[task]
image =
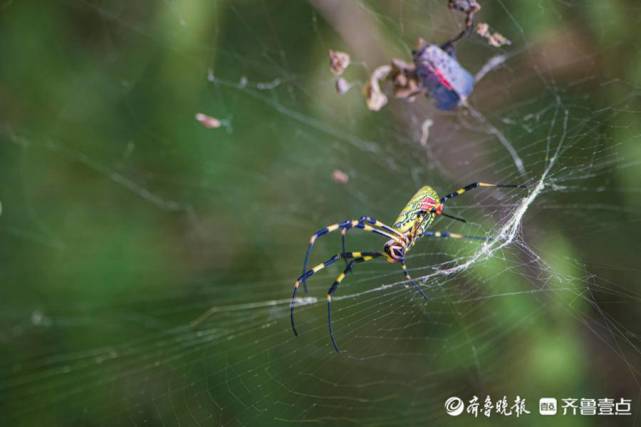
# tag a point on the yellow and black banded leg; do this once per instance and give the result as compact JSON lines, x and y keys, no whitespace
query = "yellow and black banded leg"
{"x":448,"y":235}
{"x":364,"y":223}
{"x":367,"y":256}
{"x":309,"y":273}
{"x":412,"y":282}
{"x":373,"y":222}
{"x":376,"y":223}
{"x":474,"y":185}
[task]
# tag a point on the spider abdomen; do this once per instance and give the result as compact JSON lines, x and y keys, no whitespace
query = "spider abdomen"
{"x":410,"y":213}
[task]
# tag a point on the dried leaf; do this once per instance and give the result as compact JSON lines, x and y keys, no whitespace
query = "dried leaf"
{"x":465,"y":6}
{"x":494,"y":39}
{"x":340,"y":177}
{"x":425,"y":131}
{"x":208,"y":121}
{"x":374,"y":96}
{"x":342,"y":86}
{"x":468,"y":7}
{"x":338,"y":62}
{"x":404,"y":78}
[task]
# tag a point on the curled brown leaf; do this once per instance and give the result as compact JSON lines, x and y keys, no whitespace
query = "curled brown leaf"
{"x":404,"y":79}
{"x":495,"y":39}
{"x":208,"y":121}
{"x":340,"y":177}
{"x":374,"y":96}
{"x":338,"y":62}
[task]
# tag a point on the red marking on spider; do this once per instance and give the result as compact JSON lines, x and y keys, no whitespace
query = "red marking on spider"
{"x":427,"y":204}
{"x":442,"y":80}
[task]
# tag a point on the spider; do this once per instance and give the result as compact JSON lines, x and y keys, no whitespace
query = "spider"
{"x":412,"y":224}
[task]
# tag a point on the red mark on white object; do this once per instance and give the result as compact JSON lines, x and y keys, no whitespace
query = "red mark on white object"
{"x":208,"y":121}
{"x":340,"y":177}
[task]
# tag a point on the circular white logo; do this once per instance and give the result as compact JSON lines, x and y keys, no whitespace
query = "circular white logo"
{"x":454,"y":406}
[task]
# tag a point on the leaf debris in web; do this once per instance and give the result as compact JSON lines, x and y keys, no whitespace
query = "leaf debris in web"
{"x":495,"y":39}
{"x":342,"y":86}
{"x":425,"y":131}
{"x":468,"y":7}
{"x":465,"y":6}
{"x":208,"y":121}
{"x":374,"y":96}
{"x":340,"y":177}
{"x":404,"y":80}
{"x":338,"y":62}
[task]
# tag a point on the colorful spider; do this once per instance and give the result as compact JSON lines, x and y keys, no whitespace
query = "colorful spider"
{"x":412,"y":224}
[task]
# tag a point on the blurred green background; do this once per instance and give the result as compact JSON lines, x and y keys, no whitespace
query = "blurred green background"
{"x":147,"y":261}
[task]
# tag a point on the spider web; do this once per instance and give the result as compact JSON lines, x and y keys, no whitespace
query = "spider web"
{"x":149,"y":260}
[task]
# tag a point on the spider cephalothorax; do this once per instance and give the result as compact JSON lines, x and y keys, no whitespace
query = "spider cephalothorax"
{"x":395,"y":251}
{"x":412,"y":224}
